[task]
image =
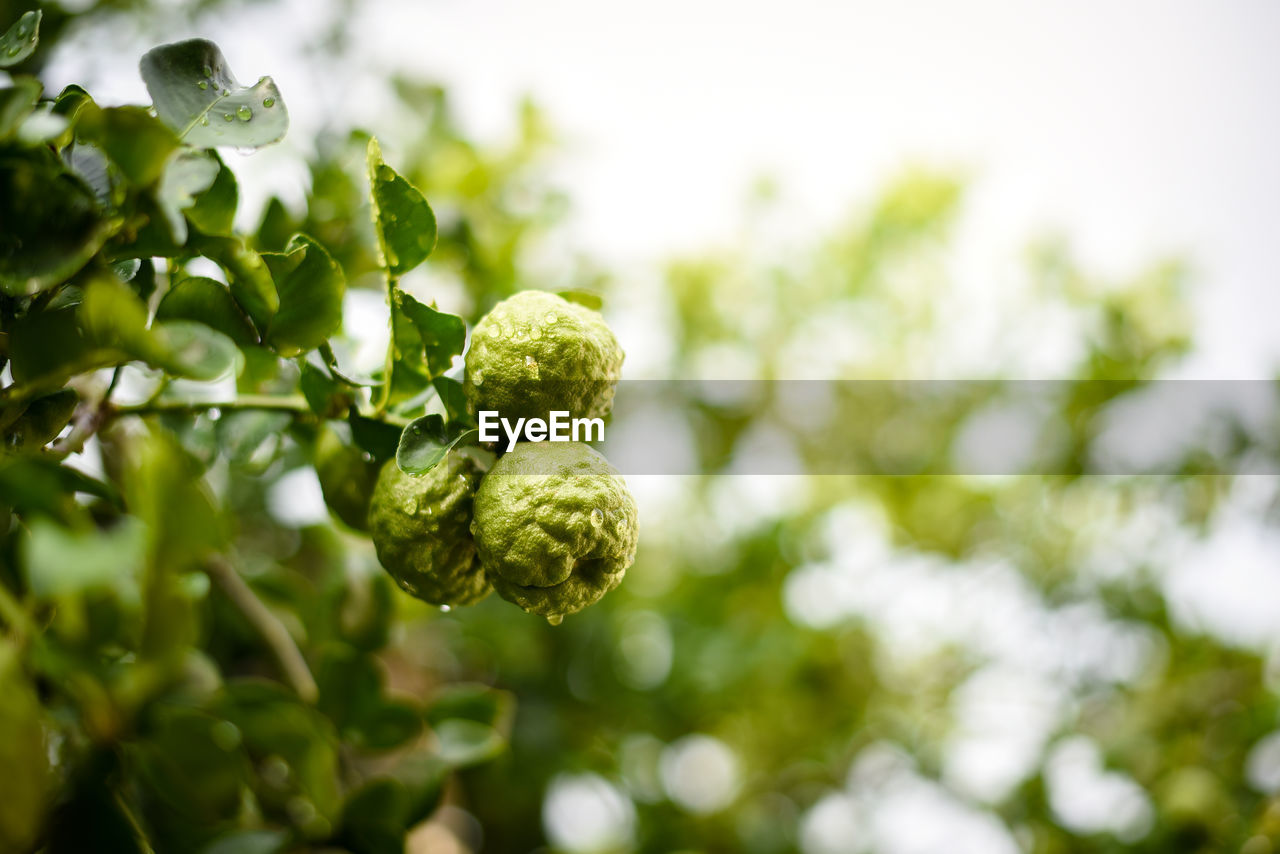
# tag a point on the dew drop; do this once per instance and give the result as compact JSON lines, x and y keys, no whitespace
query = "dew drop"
{"x":227,"y":117}
{"x":444,"y":609}
{"x":535,"y":333}
{"x":268,"y":102}
{"x":531,"y":363}
{"x":555,"y":619}
{"x":214,"y":413}
{"x":208,"y":72}
{"x":15,"y":50}
{"x":551,"y":318}
{"x":597,"y":517}
{"x":226,"y":92}
{"x":244,"y":113}
{"x":478,"y":380}
{"x":202,"y":84}
{"x":204,"y":120}
{"x":494,"y":332}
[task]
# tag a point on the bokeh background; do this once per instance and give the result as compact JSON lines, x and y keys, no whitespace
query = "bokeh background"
{"x":1077,"y":191}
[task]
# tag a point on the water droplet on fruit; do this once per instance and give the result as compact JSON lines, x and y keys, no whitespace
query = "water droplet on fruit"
{"x":535,"y":333}
{"x":478,"y":379}
{"x":244,"y":113}
{"x":444,"y":609}
{"x":555,"y":619}
{"x":530,"y":362}
{"x":268,"y":102}
{"x":214,"y":413}
{"x":551,"y":318}
{"x":597,"y":517}
{"x":494,"y":332}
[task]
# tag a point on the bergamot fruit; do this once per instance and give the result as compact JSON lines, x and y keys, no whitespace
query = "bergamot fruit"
{"x":536,"y":352}
{"x":420,"y":529}
{"x":556,"y":527}
{"x":347,"y":477}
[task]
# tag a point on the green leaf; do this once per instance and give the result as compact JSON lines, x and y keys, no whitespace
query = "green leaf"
{"x":243,"y":434}
{"x":42,"y":126}
{"x":425,"y":442}
{"x":196,"y":94}
{"x":377,"y":437}
{"x":43,"y":419}
{"x":248,"y":842}
{"x":404,"y":222}
{"x":20,"y":40}
{"x":16,"y":103}
{"x":51,"y":226}
{"x":114,"y":318}
{"x":327,"y":397}
{"x":47,"y":345}
{"x":42,"y":486}
{"x":188,"y":174}
{"x":209,"y":302}
{"x":588,"y":299}
{"x":463,"y":743}
{"x":67,"y":562}
{"x":310,"y":286}
{"x":27,"y":783}
{"x":135,"y":140}
{"x":247,"y":274}
{"x":472,"y":702}
{"x":442,"y":336}
{"x":454,"y":399}
{"x":193,"y":350}
{"x":214,"y":210}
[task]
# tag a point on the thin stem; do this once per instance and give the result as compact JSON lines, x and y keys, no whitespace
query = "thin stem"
{"x":384,"y":394}
{"x":268,"y":402}
{"x":267,"y":625}
{"x":278,"y":403}
{"x":87,"y":421}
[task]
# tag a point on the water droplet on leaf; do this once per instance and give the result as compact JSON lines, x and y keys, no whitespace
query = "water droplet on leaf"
{"x":444,"y":609}
{"x":202,"y":84}
{"x":227,"y":117}
{"x":268,"y":102}
{"x":244,"y":113}
{"x":208,"y":72}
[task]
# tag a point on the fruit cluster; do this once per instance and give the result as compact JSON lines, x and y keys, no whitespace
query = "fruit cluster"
{"x":550,"y":527}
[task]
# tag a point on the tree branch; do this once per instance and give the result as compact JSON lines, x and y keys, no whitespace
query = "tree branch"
{"x":268,"y":626}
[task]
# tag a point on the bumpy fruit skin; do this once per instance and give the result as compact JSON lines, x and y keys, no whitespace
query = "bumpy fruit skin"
{"x":420,"y":529}
{"x":536,"y":352}
{"x":556,"y":527}
{"x":346,"y":478}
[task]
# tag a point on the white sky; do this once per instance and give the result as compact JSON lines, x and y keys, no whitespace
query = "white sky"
{"x":1138,"y":129}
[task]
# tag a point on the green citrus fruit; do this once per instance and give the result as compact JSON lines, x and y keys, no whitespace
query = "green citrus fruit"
{"x":536,"y":352}
{"x":347,"y":477}
{"x":555,"y":526}
{"x":420,"y":529}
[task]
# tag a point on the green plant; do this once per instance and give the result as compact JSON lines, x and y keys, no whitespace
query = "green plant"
{"x":151,"y":666}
